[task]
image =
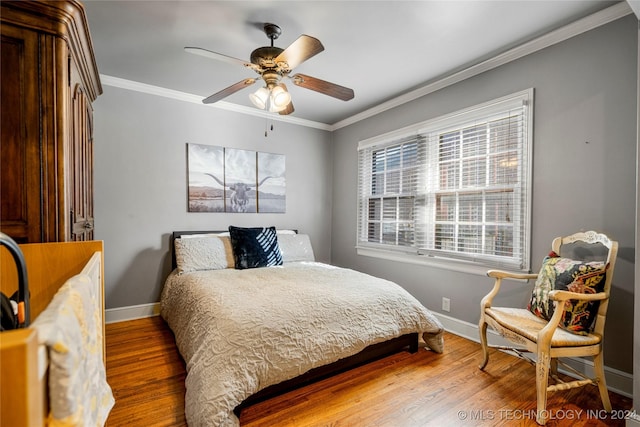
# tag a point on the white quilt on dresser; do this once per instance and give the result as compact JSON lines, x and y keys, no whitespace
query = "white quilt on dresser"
{"x":240,"y":331}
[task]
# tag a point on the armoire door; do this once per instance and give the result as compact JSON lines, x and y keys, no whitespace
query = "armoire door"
{"x":21,"y":151}
{"x":81,"y":151}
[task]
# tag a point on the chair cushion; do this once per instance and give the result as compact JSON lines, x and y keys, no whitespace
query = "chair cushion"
{"x":512,"y":322}
{"x":568,"y":275}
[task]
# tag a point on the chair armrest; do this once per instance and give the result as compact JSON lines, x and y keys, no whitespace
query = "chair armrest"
{"x":546,"y":333}
{"x":559,"y":295}
{"x":499,"y":274}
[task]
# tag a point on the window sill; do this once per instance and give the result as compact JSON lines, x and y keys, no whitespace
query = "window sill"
{"x":460,"y":266}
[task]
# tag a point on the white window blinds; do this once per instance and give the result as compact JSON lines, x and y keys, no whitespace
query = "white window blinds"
{"x":454,"y":187}
{"x":394,"y":174}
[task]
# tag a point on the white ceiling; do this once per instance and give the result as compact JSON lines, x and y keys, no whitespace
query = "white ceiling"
{"x":380,"y":49}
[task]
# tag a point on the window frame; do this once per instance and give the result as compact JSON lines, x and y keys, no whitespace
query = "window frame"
{"x":458,"y":120}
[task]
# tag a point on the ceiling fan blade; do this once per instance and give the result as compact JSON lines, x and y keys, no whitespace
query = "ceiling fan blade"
{"x":299,"y":51}
{"x":220,"y":57}
{"x":327,"y":88}
{"x":289,"y":108}
{"x":228,"y":91}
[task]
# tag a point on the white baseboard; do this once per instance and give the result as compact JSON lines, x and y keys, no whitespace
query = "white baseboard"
{"x":633,"y":420}
{"x":132,"y":312}
{"x":617,"y":381}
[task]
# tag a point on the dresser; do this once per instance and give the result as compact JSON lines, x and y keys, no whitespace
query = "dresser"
{"x":49,"y":80}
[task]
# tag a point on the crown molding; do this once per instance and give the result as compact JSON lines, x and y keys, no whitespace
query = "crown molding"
{"x":595,"y":20}
{"x":196,"y":99}
{"x":573,"y":29}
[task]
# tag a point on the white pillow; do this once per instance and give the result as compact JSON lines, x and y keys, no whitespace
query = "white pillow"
{"x":295,"y":247}
{"x":278,"y":231}
{"x":203,"y":253}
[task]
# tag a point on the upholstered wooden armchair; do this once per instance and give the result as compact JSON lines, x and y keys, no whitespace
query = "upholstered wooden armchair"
{"x":565,"y":317}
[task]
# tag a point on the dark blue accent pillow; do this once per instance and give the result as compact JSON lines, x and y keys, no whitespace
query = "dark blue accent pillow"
{"x":255,"y":247}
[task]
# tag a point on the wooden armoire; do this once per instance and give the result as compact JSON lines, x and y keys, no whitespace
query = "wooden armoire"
{"x":49,"y":80}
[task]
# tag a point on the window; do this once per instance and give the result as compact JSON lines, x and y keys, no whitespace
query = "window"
{"x":457,"y":187}
{"x":394,"y":184}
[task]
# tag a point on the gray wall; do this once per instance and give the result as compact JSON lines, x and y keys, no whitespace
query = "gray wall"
{"x":141,"y":183}
{"x":585,"y":91}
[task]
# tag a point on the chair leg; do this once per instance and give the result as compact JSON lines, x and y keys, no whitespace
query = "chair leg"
{"x":553,"y":368}
{"x":542,"y":382}
{"x":598,"y":367}
{"x":483,"y":340}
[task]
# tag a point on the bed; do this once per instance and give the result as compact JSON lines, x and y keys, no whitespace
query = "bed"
{"x":53,"y":371}
{"x":248,"y":330}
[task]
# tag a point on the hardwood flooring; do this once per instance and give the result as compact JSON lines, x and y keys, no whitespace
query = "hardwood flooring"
{"x":147,"y":376}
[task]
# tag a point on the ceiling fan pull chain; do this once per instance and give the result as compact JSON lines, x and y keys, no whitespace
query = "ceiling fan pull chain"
{"x":265,"y":127}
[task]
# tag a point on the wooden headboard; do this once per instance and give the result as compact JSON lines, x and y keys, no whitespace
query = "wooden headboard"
{"x":49,"y":266}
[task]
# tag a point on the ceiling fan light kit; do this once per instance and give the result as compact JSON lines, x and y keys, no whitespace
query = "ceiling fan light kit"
{"x":274,"y":100}
{"x":280,"y":98}
{"x":272,"y":65}
{"x":260,"y":97}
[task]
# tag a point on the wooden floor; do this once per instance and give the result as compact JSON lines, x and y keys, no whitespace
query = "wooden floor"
{"x":147,"y":376}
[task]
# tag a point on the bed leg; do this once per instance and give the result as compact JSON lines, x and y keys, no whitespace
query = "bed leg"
{"x":413,"y":344}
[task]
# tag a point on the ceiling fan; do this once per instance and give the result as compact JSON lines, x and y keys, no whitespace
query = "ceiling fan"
{"x":273,"y":64}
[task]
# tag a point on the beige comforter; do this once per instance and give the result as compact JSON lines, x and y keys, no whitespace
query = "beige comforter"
{"x":240,"y":331}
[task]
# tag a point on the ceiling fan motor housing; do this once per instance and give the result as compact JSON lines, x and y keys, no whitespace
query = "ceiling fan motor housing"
{"x":264,"y":56}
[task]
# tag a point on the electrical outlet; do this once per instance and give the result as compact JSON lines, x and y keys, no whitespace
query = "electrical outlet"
{"x":446,"y":304}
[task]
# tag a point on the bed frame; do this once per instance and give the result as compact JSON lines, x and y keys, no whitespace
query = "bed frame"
{"x":23,"y":389}
{"x":374,"y":352}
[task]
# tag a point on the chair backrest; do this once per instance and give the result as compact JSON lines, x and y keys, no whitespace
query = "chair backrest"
{"x":602,"y":241}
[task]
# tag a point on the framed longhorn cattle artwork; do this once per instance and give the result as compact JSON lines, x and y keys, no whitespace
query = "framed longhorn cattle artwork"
{"x":240,"y":173}
{"x":271,"y":183}
{"x":233,"y":180}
